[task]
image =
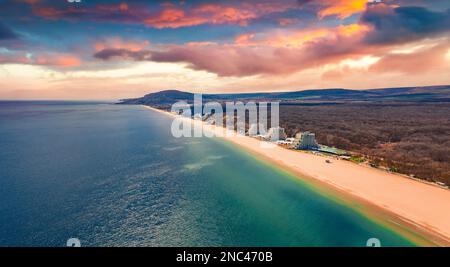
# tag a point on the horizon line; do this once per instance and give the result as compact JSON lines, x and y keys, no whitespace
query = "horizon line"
{"x":229,"y":93}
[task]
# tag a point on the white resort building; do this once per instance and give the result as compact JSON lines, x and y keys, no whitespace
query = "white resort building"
{"x":275,"y":134}
{"x":198,"y":116}
{"x":305,"y":141}
{"x":256,"y":129}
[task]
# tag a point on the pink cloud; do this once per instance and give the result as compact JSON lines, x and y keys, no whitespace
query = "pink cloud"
{"x":418,"y":62}
{"x":174,"y":18}
{"x":169,"y":15}
{"x":339,"y":8}
{"x":286,"y":21}
{"x":242,"y":14}
{"x":120,"y":43}
{"x":239,"y":61}
{"x":281,"y":51}
{"x":427,"y":60}
{"x":51,"y":60}
{"x":249,"y":57}
{"x":58,"y":60}
{"x":342,"y":8}
{"x":121,"y":12}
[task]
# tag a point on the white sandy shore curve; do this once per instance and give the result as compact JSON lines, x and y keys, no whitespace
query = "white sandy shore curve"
{"x":418,"y":203}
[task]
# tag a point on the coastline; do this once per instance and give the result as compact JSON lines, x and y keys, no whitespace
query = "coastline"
{"x":414,"y":208}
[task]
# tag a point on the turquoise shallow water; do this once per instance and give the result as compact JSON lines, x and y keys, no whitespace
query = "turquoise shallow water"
{"x":114,"y":176}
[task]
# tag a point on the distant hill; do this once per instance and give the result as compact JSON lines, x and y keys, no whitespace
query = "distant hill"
{"x":163,"y":97}
{"x":404,"y":94}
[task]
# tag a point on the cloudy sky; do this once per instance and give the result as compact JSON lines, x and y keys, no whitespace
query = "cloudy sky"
{"x":99,"y":49}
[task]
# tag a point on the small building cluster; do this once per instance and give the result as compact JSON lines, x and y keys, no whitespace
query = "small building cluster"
{"x":305,"y":141}
{"x":276,"y":134}
{"x":273,"y":135}
{"x":255,"y":129}
{"x":301,"y":141}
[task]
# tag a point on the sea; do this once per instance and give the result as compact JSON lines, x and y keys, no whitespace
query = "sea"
{"x":113,"y":175}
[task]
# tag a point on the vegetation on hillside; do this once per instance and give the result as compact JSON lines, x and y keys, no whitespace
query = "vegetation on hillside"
{"x":412,"y":139}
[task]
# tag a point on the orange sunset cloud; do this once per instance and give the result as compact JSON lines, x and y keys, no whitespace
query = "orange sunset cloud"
{"x":343,"y":8}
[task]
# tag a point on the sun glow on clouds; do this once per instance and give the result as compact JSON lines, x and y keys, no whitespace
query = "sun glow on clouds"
{"x":131,"y":49}
{"x":26,"y":81}
{"x":130,"y":80}
{"x":9,"y":71}
{"x":131,"y":71}
{"x":298,"y":38}
{"x":343,"y":8}
{"x":360,"y":63}
{"x":410,"y":49}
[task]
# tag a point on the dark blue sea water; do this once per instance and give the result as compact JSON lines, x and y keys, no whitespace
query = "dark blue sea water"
{"x":113,"y":175}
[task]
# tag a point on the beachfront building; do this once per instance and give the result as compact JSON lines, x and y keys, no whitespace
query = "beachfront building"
{"x":290,"y":140}
{"x":255,"y":129}
{"x":275,"y":134}
{"x":284,"y":143}
{"x":305,"y":141}
{"x":334,"y":151}
{"x":206,"y":116}
{"x":198,"y":116}
{"x":210,"y":120}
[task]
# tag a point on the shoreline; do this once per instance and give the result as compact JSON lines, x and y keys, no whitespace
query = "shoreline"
{"x":417,"y":210}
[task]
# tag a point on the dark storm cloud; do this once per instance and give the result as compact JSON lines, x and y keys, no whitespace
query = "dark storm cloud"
{"x":404,"y":24}
{"x":107,"y":54}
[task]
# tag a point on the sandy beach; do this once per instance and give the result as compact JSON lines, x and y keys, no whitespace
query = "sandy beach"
{"x":418,"y":204}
